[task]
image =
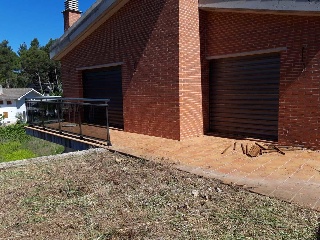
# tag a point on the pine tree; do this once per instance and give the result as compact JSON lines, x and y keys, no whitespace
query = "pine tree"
{"x":9,"y":65}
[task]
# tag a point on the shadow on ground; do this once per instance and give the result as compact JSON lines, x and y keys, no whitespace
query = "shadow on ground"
{"x":318,"y":231}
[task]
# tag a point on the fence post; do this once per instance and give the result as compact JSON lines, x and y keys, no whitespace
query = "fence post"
{"x":79,"y":109}
{"x":42,"y":115}
{"x":58,"y":111}
{"x":108,"y":130}
{"x":27,"y":110}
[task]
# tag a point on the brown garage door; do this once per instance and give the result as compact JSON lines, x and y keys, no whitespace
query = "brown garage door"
{"x":105,"y":83}
{"x":244,"y":96}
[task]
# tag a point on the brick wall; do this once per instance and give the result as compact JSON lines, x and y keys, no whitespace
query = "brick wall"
{"x":158,"y":43}
{"x":191,"y":115}
{"x":145,"y":37}
{"x":203,"y":16}
{"x":227,"y":33}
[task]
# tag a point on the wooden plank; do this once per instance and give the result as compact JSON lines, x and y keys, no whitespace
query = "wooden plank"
{"x":279,"y":150}
{"x":225,"y":150}
{"x":269,"y":151}
{"x":262,"y":147}
{"x":243,"y":149}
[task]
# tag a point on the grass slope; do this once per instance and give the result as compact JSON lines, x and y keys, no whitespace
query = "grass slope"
{"x":108,"y":196}
{"x":16,"y":145}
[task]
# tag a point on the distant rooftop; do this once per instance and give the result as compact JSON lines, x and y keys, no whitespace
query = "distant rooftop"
{"x":15,"y":93}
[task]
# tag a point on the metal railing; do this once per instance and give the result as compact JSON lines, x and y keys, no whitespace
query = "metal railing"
{"x":80,"y":116}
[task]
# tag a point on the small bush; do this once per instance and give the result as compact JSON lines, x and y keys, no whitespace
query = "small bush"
{"x":15,"y":132}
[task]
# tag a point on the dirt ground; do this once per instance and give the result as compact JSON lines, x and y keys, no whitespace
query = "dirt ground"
{"x":103,"y":195}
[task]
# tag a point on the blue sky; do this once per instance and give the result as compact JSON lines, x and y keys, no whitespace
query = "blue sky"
{"x":23,"y":20}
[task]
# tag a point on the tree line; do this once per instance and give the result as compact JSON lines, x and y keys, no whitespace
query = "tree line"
{"x":31,"y":66}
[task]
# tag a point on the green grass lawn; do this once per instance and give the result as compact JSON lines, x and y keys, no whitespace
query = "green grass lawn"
{"x":16,"y":145}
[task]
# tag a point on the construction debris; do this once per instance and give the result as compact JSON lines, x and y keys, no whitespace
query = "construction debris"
{"x":224,"y":151}
{"x":262,"y":147}
{"x":243,"y":149}
{"x":259,"y":148}
{"x":254,"y":151}
{"x":278,"y":149}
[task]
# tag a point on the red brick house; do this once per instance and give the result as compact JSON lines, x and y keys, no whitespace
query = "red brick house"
{"x":182,"y":68}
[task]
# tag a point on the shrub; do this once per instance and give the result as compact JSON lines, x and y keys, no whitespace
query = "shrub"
{"x":20,"y":118}
{"x":14,"y":132}
{"x":15,"y":144}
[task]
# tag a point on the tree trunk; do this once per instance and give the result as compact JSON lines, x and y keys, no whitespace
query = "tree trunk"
{"x":40,"y":84}
{"x":7,"y":83}
{"x":57,"y":78}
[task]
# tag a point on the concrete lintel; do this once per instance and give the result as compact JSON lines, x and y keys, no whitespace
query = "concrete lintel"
{"x":298,"y":6}
{"x":100,"y":66}
{"x":242,"y":54}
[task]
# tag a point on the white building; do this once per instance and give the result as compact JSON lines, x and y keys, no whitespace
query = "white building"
{"x":12,"y":102}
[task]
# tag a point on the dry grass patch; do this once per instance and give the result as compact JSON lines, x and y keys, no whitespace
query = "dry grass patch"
{"x":101,"y":195}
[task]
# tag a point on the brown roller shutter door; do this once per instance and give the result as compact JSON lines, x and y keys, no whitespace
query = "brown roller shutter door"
{"x":244,"y":96}
{"x":105,"y":83}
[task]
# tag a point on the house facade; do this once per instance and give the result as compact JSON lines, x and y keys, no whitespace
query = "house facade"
{"x":183,"y":68}
{"x":12,"y":103}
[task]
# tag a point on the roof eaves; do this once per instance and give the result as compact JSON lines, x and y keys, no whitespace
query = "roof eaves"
{"x":32,"y":90}
{"x":96,"y":15}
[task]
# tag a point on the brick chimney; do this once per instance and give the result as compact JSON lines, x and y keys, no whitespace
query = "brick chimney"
{"x":71,"y":13}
